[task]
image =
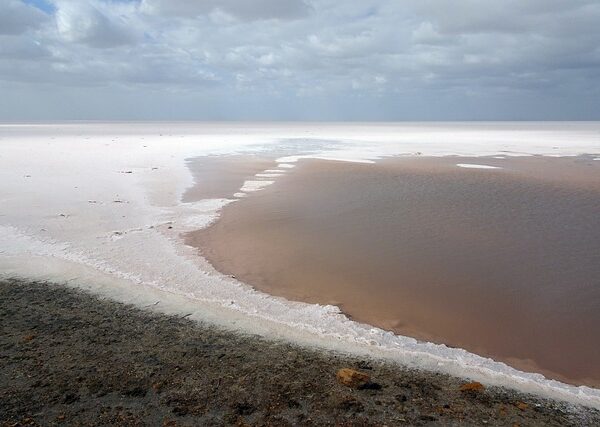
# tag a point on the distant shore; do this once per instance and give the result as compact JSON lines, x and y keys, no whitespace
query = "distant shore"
{"x":69,"y":358}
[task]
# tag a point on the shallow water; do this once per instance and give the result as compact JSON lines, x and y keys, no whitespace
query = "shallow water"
{"x":502,"y":262}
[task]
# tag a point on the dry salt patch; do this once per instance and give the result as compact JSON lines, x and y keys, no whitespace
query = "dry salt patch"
{"x":255,"y":185}
{"x":475,"y":166}
{"x":268,"y":175}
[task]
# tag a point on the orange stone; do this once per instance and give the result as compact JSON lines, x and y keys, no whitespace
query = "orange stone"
{"x":351,"y":378}
{"x":473,"y":386}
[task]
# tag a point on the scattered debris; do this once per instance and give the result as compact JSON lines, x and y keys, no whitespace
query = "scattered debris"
{"x":153,"y":304}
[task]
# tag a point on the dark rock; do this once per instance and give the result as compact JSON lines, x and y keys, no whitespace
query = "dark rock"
{"x":70,"y":398}
{"x":370,"y":386}
{"x":244,"y":408}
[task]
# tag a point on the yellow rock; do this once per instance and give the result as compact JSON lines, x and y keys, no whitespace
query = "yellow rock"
{"x":351,"y":378}
{"x":474,"y":386}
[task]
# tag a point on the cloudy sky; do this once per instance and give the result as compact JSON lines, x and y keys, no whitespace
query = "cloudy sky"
{"x":299,"y":59}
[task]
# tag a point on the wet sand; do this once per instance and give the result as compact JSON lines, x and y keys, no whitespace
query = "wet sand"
{"x":69,"y":358}
{"x":504,"y":263}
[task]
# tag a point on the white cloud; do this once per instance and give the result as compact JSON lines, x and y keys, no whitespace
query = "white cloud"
{"x":85,"y":22}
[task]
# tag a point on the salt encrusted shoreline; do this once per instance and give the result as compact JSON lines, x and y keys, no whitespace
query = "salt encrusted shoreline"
{"x":68,"y":358}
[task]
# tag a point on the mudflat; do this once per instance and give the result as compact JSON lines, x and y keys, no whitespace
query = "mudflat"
{"x":69,"y":358}
{"x":502,"y":262}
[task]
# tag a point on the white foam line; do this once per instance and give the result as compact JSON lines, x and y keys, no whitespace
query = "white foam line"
{"x":279,"y":171}
{"x":286,"y":166}
{"x":475,"y":166}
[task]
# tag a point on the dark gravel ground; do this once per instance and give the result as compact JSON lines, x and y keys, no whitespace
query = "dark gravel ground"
{"x":69,"y":358}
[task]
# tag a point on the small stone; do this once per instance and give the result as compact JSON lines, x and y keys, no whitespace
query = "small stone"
{"x":351,"y":378}
{"x":473,"y":386}
{"x":365,"y":365}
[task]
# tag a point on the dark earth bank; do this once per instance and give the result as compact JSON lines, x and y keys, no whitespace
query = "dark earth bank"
{"x":70,"y":358}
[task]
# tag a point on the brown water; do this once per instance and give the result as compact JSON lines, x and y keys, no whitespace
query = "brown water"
{"x":504,"y":263}
{"x":218,"y":177}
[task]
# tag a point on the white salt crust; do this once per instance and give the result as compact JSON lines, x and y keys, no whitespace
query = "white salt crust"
{"x":250,"y":186}
{"x":476,"y":166}
{"x":268,"y":175}
{"x":99,"y":206}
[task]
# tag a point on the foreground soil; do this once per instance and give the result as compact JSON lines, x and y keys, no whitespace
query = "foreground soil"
{"x":69,"y":358}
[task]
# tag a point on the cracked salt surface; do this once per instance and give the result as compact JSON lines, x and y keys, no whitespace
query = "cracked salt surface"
{"x":149,"y":261}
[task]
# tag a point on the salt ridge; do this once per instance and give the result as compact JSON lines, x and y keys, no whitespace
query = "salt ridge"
{"x":48,"y":224}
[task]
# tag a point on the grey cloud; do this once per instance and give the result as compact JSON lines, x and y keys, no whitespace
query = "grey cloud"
{"x":17,"y":17}
{"x":465,"y":59}
{"x":241,"y":9}
{"x":19,"y":48}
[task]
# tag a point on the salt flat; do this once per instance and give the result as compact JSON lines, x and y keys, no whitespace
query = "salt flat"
{"x":101,"y":203}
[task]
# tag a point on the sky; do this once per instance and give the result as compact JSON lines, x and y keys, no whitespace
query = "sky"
{"x":368,"y":60}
